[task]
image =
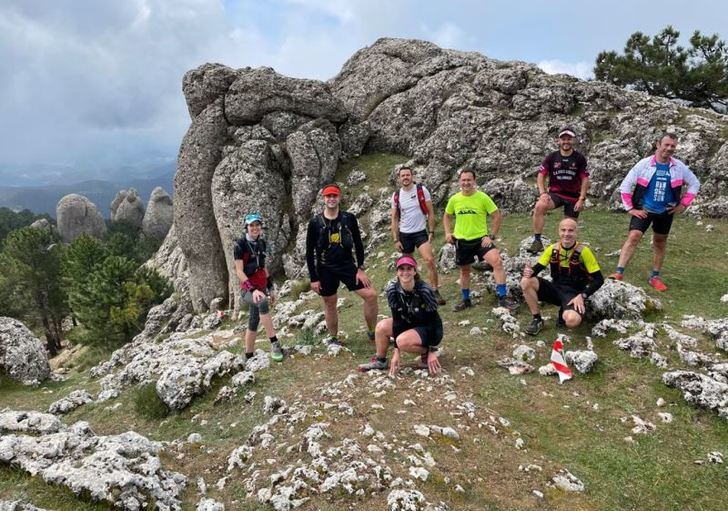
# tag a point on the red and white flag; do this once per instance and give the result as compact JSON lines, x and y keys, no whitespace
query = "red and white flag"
{"x":557,"y":360}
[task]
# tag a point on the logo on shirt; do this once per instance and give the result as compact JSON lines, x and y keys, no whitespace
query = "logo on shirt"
{"x":467,"y":212}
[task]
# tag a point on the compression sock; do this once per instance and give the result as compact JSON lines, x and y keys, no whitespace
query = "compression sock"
{"x":500,"y":290}
{"x":249,"y":355}
{"x":466,"y":294}
{"x":537,"y":316}
{"x":537,"y":237}
{"x":273,"y":339}
{"x":620,"y":270}
{"x":654,"y":273}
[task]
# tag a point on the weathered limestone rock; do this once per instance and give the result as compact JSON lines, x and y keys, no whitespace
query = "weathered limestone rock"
{"x":700,"y":390}
{"x":22,"y":355}
{"x":194,"y":218}
{"x":582,"y":360}
{"x":123,"y":470}
{"x":159,"y":214}
{"x":182,"y":367}
{"x":257,"y":92}
{"x":70,"y":402}
{"x":29,"y":422}
{"x":621,"y":300}
{"x":127,"y":207}
{"x":76,"y":215}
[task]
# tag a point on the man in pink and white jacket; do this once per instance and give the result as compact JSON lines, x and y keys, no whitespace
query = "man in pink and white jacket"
{"x":652,"y":194}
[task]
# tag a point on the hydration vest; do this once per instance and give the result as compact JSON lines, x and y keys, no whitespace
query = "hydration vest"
{"x":326,"y":237}
{"x":576,"y":274}
{"x":256,"y":261}
{"x":420,"y":199}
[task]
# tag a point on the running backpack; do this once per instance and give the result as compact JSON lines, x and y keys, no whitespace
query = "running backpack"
{"x":420,"y":199}
{"x":346,"y":238}
{"x":576,"y":271}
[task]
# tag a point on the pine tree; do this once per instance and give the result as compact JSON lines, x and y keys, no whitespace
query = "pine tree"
{"x":661,"y":67}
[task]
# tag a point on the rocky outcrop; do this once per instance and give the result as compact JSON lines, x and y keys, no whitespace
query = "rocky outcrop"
{"x":123,"y":470}
{"x":22,"y":355}
{"x":700,"y":390}
{"x":158,"y":217}
{"x":257,"y":136}
{"x":127,"y":207}
{"x":76,"y":215}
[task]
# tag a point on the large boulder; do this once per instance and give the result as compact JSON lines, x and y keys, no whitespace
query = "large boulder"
{"x":22,"y":355}
{"x":194,"y":217}
{"x":76,"y":215}
{"x":127,"y":207}
{"x":159,"y":214}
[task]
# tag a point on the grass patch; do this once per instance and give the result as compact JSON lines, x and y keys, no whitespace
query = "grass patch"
{"x":147,"y":403}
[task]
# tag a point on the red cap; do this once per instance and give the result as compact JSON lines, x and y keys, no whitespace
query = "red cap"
{"x":331,"y":190}
{"x":406,"y":260}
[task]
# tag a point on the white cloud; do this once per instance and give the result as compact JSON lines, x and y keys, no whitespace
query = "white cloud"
{"x":583,"y":70}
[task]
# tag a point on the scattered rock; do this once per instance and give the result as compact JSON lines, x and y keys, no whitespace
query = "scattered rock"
{"x":700,"y":390}
{"x":22,"y":355}
{"x":71,"y":402}
{"x":524,"y":353}
{"x":567,"y":481}
{"x":515,"y":366}
{"x":210,"y":505}
{"x":29,"y":422}
{"x":583,"y":361}
{"x":715,"y":457}
{"x":620,"y":300}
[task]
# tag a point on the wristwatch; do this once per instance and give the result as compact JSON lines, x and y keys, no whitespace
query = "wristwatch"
{"x":584,"y":296}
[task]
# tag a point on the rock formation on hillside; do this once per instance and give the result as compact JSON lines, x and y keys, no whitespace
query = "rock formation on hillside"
{"x":76,"y":215}
{"x":263,"y":142}
{"x":22,"y":355}
{"x":159,"y":215}
{"x":127,"y":207}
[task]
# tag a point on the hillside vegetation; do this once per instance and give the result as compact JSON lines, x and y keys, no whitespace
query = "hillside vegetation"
{"x":519,"y":432}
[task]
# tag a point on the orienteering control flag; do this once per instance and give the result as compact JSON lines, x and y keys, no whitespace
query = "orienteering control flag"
{"x":557,"y":360}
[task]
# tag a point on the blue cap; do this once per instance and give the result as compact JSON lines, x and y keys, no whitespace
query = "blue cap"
{"x":253,"y":217}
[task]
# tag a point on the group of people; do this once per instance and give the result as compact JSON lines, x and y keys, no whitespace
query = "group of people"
{"x":652,"y":193}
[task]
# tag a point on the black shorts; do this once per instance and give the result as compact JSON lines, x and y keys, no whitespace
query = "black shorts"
{"x":661,"y":223}
{"x":568,"y":205}
{"x":330,"y":279}
{"x":467,"y":251}
{"x":558,"y":295}
{"x":429,"y":335}
{"x":412,"y":240}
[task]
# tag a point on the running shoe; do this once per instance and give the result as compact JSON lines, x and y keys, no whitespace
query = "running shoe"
{"x":508,"y":303}
{"x":275,"y":351}
{"x":440,"y":299}
{"x":535,"y":326}
{"x":332,"y":341}
{"x":373,"y":365}
{"x":535,"y":247}
{"x":617,"y":276}
{"x":658,"y":284}
{"x":462,"y":305}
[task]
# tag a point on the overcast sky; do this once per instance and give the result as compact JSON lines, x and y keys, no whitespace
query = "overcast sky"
{"x":98,"y":82}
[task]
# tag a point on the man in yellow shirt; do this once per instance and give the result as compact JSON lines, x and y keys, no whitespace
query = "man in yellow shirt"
{"x":470,"y":208}
{"x":575,"y":275}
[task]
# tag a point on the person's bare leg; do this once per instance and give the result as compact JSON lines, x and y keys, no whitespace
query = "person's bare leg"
{"x":429,"y":258}
{"x":267,"y":321}
{"x":530,"y":293}
{"x":539,"y":214}
{"x":331,"y":315}
{"x":371,"y":307}
{"x":630,"y":244}
{"x":382,"y":333}
{"x":250,"y":336}
{"x":410,"y":342}
{"x":659,"y":247}
{"x":492,"y":257}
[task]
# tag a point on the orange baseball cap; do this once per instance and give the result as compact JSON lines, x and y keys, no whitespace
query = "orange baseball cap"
{"x":331,"y":190}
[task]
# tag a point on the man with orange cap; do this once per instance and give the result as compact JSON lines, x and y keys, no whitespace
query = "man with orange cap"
{"x":331,"y":237}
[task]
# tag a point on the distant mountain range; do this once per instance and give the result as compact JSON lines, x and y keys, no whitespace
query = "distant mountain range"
{"x":18,"y":192}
